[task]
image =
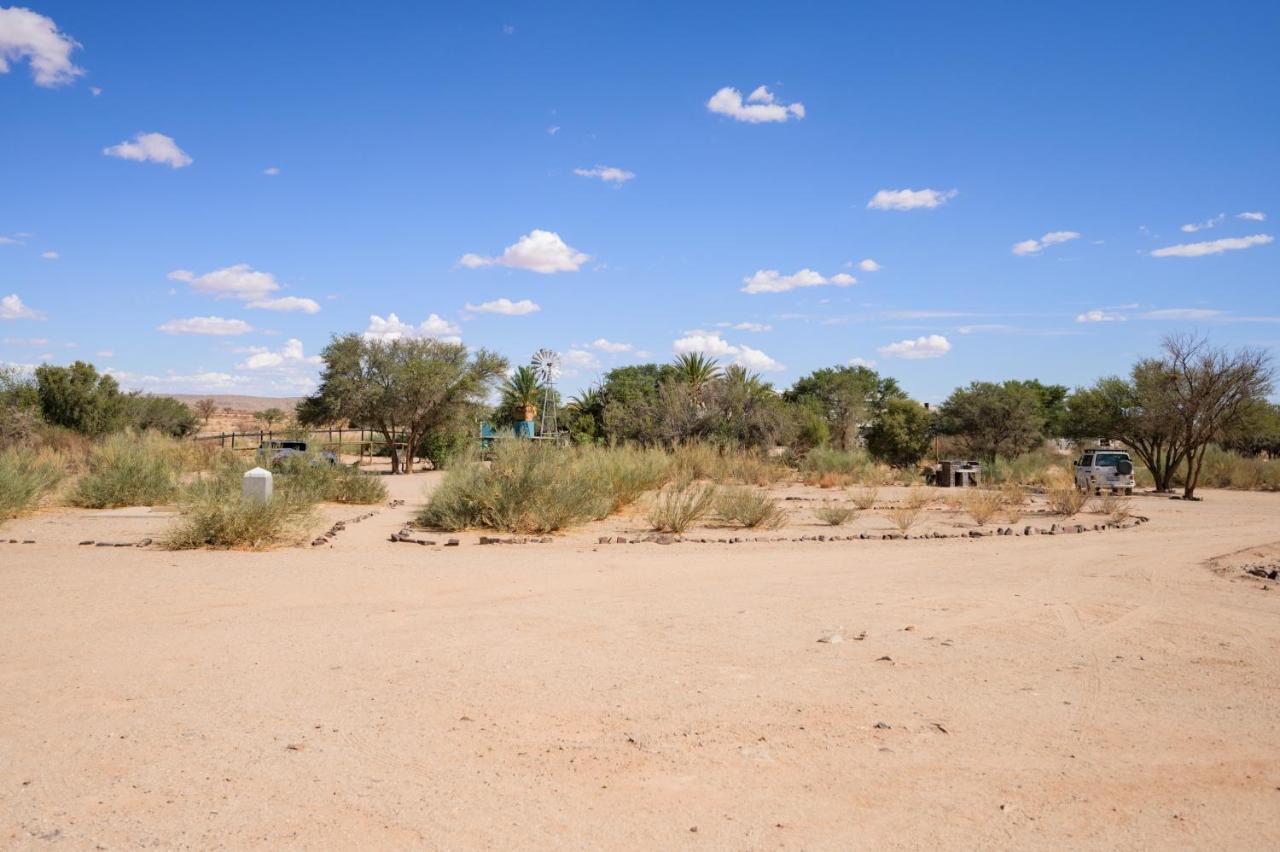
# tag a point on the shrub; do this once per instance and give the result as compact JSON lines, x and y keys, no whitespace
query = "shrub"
{"x":982,"y":504}
{"x":25,"y":478}
{"x":903,"y":517}
{"x":629,"y":471}
{"x":1066,"y":500}
{"x":680,"y":506}
{"x":831,"y":479}
{"x":128,"y":469}
{"x":864,"y":498}
{"x":528,"y":488}
{"x":311,"y":478}
{"x":220,"y":518}
{"x":695,"y":460}
{"x":749,"y":507}
{"x":917,"y":497}
{"x":1014,"y":499}
{"x":822,"y":461}
{"x":835,"y":514}
{"x":1039,"y":467}
{"x":1115,"y":507}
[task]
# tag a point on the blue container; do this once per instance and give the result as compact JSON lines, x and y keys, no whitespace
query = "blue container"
{"x":525,"y":429}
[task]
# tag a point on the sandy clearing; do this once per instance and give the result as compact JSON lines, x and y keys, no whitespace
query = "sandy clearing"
{"x":1104,"y":690}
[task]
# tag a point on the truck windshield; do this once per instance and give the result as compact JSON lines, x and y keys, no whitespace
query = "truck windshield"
{"x":1110,"y":459}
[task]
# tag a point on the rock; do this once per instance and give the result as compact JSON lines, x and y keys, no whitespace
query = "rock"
{"x":99,"y":544}
{"x":453,"y":542}
{"x":485,"y":539}
{"x":665,"y":539}
{"x":620,"y":540}
{"x":320,"y":541}
{"x":831,"y":639}
{"x":884,"y":726}
{"x":605,"y":539}
{"x":83,"y":543}
{"x":146,"y":542}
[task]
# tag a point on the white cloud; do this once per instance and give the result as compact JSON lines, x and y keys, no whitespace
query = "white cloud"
{"x":289,"y":355}
{"x":761,"y":106}
{"x":392,"y":328}
{"x":1213,"y":246}
{"x":1205,"y":225}
{"x":151,"y":148}
{"x":861,"y":362}
{"x":715,"y":346}
{"x":49,"y":255}
{"x":1100,"y":316}
{"x":1052,"y":238}
{"x":271,"y":170}
{"x":1184,"y":314}
{"x":105,"y":353}
{"x":24,"y":34}
{"x":179,"y":382}
{"x":9,"y":241}
{"x":579,"y":359}
{"x":608,"y":174}
{"x":609,"y":346}
{"x":869,"y":265}
{"x":910,"y":199}
{"x":506,"y":307}
{"x":95,"y":90}
{"x":243,"y":282}
{"x":12,"y":308}
{"x":1254,"y":216}
{"x":207,"y":325}
{"x":287,"y":304}
{"x":25,"y":341}
{"x":745,"y":326}
{"x":931,"y":346}
{"x":553,"y":130}
{"x":773,"y":281}
{"x":538,"y":251}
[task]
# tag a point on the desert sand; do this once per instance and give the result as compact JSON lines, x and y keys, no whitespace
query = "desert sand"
{"x":1107,"y":690}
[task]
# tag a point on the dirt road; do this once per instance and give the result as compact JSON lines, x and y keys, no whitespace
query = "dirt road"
{"x":1102,"y":690}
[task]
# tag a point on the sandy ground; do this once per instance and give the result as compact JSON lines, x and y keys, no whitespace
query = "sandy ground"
{"x":1106,"y":690}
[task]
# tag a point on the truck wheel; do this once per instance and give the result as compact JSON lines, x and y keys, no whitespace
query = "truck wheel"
{"x":1128,"y":492}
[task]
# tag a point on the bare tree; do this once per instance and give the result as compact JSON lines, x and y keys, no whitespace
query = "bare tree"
{"x":206,"y":408}
{"x":1211,"y":391}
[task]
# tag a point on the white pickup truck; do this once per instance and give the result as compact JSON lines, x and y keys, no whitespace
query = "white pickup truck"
{"x":1102,"y":468}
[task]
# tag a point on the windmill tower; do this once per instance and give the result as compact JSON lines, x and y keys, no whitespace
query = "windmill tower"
{"x":546,"y":364}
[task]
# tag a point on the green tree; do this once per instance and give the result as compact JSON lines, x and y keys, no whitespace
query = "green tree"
{"x":404,"y":388}
{"x":991,"y":420}
{"x":269,"y":416}
{"x":584,"y":416}
{"x":631,"y":402}
{"x":848,"y":398}
{"x":159,"y":414}
{"x":901,"y":432}
{"x":80,"y":399}
{"x":697,"y":371}
{"x":1258,"y":430}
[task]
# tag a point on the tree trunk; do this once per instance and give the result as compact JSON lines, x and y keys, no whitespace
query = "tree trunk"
{"x":1195,"y":461}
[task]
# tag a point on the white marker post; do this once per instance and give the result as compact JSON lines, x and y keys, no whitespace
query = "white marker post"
{"x":256,"y":485}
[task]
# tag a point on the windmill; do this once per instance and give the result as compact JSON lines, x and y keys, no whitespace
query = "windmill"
{"x":546,"y":364}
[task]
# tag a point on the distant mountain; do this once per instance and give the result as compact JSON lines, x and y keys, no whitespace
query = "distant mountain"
{"x":234,"y":402}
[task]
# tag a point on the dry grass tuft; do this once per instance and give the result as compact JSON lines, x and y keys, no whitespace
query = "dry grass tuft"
{"x":864,"y":498}
{"x":678,"y":507}
{"x":835,"y":514}
{"x":749,"y":507}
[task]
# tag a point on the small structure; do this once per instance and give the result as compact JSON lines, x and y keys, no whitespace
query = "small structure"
{"x":957,"y":473}
{"x":256,"y":485}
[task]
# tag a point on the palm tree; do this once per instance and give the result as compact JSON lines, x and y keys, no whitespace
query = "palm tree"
{"x":697,"y":371}
{"x":751,"y":383}
{"x":520,"y":392}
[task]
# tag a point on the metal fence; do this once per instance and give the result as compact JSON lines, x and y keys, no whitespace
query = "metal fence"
{"x":329,"y":439}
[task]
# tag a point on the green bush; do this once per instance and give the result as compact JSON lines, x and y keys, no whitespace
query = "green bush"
{"x":678,"y":507}
{"x":25,"y":478}
{"x":749,"y":507}
{"x":630,"y":471}
{"x":527,"y":488}
{"x":311,"y":478}
{"x":835,"y":514}
{"x":215,"y":515}
{"x":129,"y":469}
{"x":842,"y":467}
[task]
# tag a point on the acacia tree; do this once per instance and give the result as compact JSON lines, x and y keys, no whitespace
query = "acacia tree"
{"x":411,"y":387}
{"x":80,"y":398}
{"x":1211,"y":392}
{"x":1136,"y":411}
{"x":992,"y":420}
{"x":901,"y":433}
{"x":206,"y":408}
{"x":269,"y":416}
{"x":847,"y":397}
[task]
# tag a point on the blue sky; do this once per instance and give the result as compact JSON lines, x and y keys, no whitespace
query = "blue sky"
{"x":588,"y":159}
